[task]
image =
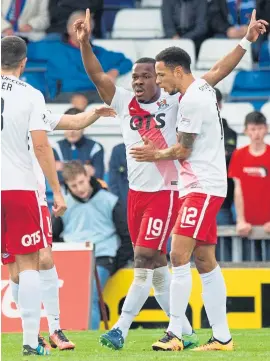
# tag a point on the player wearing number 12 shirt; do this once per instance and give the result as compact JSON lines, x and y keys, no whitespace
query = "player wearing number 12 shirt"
{"x":146,"y":113}
{"x":202,"y":188}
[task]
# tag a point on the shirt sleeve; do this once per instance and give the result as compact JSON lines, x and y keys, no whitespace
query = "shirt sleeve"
{"x":235,"y":166}
{"x":190,"y":118}
{"x":38,"y":114}
{"x":51,"y":119}
{"x":121,"y":100}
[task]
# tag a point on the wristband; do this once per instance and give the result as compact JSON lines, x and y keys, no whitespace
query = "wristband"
{"x":245,"y":43}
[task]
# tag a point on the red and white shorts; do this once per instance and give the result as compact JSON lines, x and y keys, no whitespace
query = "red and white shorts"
{"x":25,"y":226}
{"x":151,"y":217}
{"x":197,"y":217}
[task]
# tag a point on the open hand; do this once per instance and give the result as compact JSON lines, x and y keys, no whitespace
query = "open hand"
{"x":146,"y":153}
{"x":256,"y":28}
{"x":105,"y":112}
{"x":83,"y":27}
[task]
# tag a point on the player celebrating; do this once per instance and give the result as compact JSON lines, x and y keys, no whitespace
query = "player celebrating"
{"x":21,"y":223}
{"x":47,"y":270}
{"x":152,"y":206}
{"x":202,"y":188}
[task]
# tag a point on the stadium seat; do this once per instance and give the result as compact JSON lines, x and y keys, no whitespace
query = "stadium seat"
{"x":138,"y":23}
{"x":251,"y":86}
{"x":37,"y":79}
{"x":153,"y":47}
{"x":235,"y":114}
{"x":214,"y":49}
{"x":265,"y":109}
{"x":125,"y":81}
{"x":264,"y":56}
{"x":127,"y":47}
{"x":151,"y":3}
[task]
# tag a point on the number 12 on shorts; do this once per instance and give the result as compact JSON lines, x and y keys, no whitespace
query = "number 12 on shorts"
{"x":154,"y":228}
{"x":188,"y":216}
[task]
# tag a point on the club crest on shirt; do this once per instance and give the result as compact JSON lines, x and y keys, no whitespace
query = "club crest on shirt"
{"x":162,"y":104}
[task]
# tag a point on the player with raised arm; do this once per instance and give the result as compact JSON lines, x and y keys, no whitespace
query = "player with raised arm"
{"x":202,"y":187}
{"x":152,"y":206}
{"x":21,"y":223}
{"x":47,"y":270}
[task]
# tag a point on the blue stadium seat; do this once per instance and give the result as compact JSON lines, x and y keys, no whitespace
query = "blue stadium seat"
{"x":252,"y":86}
{"x":36,"y":79}
{"x":264,"y":56}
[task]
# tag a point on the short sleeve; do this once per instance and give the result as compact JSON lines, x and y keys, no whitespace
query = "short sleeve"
{"x":38,"y":114}
{"x":234,"y":170}
{"x":51,"y":120}
{"x":190,"y":118}
{"x":121,"y":99}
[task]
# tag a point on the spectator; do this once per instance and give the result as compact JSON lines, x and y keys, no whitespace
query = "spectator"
{"x":118,"y":180}
{"x":76,"y":146}
{"x":60,"y":11}
{"x":66,"y":72}
{"x":225,"y":216}
{"x":96,"y":215}
{"x":24,"y":16}
{"x":185,"y":19}
{"x":230,"y":18}
{"x":250,"y":169}
{"x":79,"y":101}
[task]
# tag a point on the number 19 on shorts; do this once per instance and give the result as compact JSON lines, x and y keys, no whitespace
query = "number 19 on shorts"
{"x":154,"y":228}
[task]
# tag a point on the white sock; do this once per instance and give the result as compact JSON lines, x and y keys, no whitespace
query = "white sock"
{"x":15,"y":291}
{"x":136,"y":297}
{"x":29,"y":301}
{"x":214,"y":297}
{"x":161,"y":283}
{"x":50,"y":297}
{"x":180,"y":292}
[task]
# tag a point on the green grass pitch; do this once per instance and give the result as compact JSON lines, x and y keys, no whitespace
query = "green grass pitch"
{"x":251,"y":345}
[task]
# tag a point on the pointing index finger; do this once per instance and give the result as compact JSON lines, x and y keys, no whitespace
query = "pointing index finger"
{"x":253,"y":16}
{"x":87,"y":16}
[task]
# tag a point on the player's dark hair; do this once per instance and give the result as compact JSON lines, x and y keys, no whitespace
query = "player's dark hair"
{"x":72,"y":169}
{"x":146,"y":60}
{"x":73,"y":111}
{"x":13,"y":51}
{"x":218,"y":95}
{"x":256,"y":118}
{"x":173,"y":57}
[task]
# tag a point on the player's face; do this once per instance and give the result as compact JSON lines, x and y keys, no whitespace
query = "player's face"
{"x":166,"y":78}
{"x":144,"y":82}
{"x":80,"y":186}
{"x":256,"y":132}
{"x":73,"y":136}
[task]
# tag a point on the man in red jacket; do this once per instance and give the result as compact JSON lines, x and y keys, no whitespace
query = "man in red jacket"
{"x":250,"y":169}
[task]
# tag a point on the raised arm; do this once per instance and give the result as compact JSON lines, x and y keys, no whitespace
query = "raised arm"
{"x":226,"y":65}
{"x":102,"y":81}
{"x":83,"y":120}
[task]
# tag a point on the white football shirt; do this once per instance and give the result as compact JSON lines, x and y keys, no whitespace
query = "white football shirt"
{"x":157,"y":121}
{"x":205,"y":170}
{"x":22,"y":110}
{"x":51,"y":121}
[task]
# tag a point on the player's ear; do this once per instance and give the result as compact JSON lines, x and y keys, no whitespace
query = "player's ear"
{"x":23,"y":65}
{"x":178,"y":71}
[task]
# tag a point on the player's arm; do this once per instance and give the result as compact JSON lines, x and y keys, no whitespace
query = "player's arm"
{"x":83,"y":120}
{"x":102,"y":81}
{"x":226,"y":65}
{"x":180,"y":150}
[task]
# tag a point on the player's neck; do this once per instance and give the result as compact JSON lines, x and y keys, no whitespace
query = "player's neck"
{"x":185,"y":83}
{"x":15,"y":72}
{"x":257,"y":149}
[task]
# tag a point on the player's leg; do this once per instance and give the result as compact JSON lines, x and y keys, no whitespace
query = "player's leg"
{"x":14,"y":278}
{"x":50,"y":289}
{"x":214,"y":297}
{"x":24,"y":239}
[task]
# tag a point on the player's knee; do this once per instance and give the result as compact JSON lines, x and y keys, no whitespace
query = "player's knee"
{"x":45,"y":259}
{"x":204,"y":264}
{"x":144,"y":261}
{"x":179,"y":258}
